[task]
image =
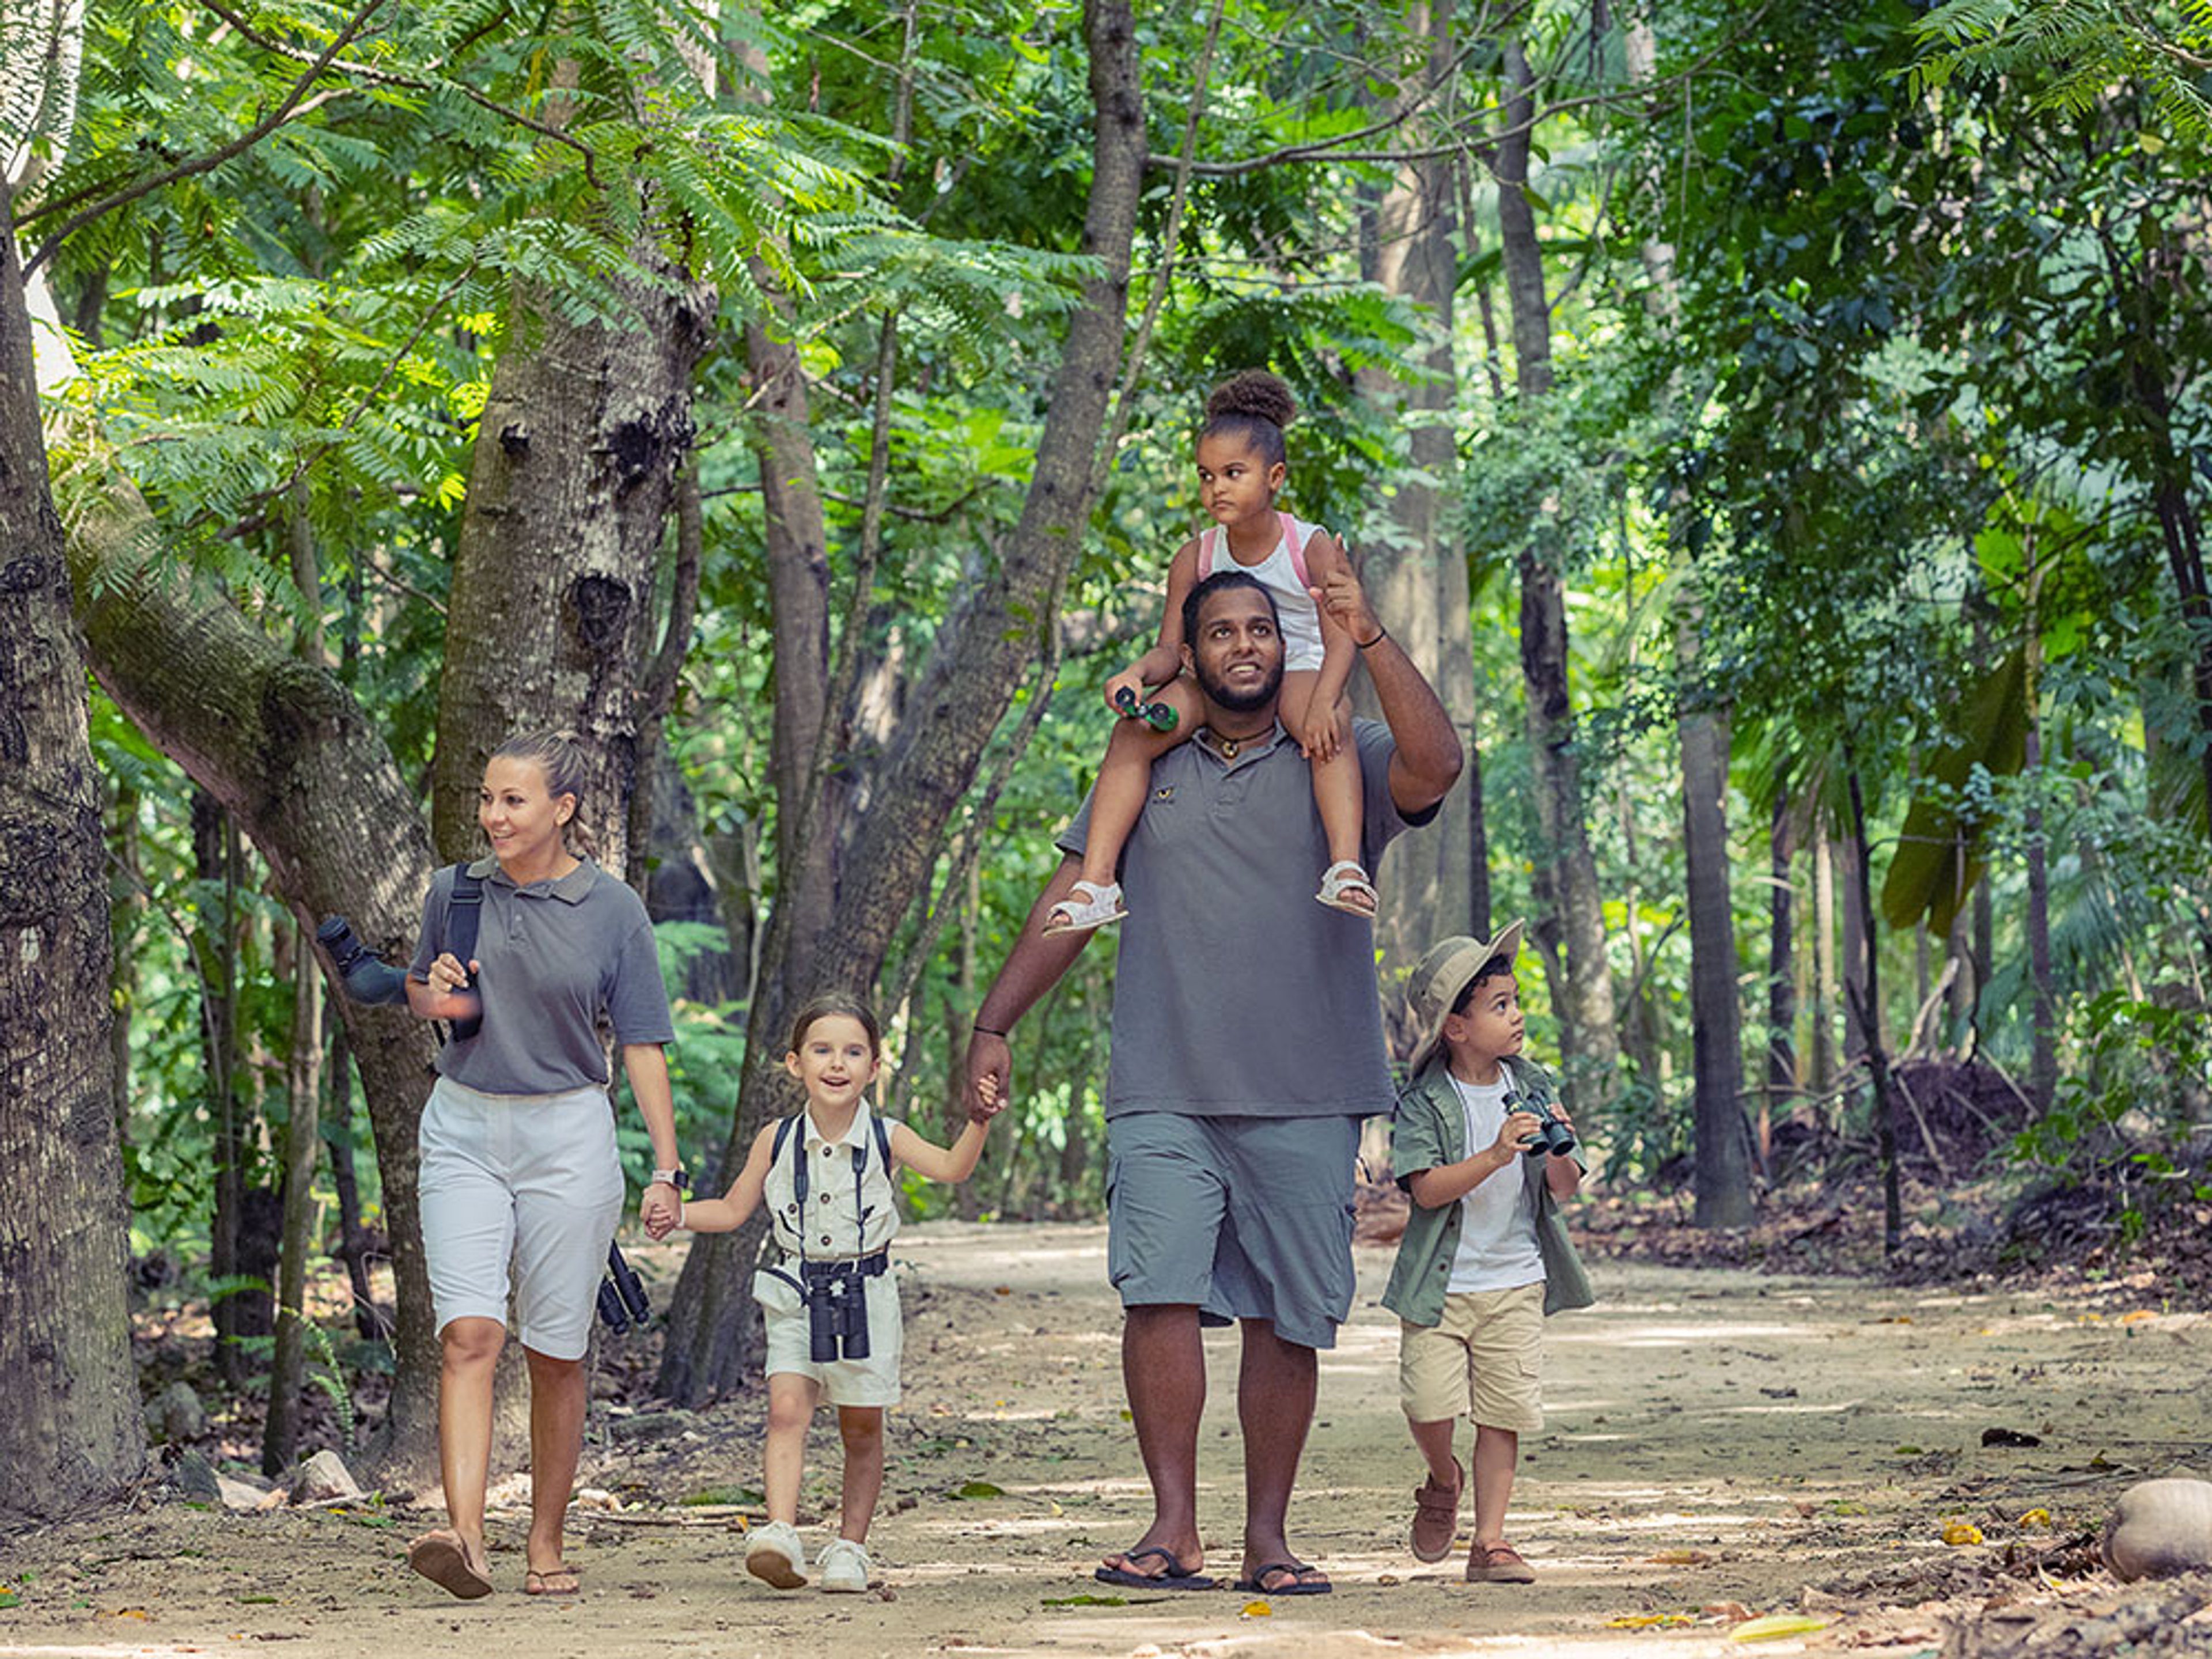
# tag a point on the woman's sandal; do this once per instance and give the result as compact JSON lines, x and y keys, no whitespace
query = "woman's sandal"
{"x":442,"y":1558}
{"x":537,"y":1581}
{"x":1074,"y":914}
{"x":1342,"y":878}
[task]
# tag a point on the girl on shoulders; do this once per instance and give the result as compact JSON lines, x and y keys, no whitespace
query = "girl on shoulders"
{"x":1241,"y":468}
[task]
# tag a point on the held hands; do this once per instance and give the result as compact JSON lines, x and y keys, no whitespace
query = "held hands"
{"x":661,"y":1210}
{"x":1341,"y":600}
{"x":990,"y":1076}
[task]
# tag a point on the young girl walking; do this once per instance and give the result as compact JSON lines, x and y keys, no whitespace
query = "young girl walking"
{"x":830,"y":1304}
{"x":1241,"y":468}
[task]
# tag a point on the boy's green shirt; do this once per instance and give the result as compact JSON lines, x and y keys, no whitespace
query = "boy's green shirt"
{"x":1428,"y":1130}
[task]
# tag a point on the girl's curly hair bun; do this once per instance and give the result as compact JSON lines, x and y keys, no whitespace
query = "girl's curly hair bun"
{"x":1254,"y":394}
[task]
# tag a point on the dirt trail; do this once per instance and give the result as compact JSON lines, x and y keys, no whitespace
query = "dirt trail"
{"x":1715,"y":1437}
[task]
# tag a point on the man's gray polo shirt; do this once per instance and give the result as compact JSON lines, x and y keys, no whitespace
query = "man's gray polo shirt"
{"x":555,"y":954}
{"x":1234,"y":994}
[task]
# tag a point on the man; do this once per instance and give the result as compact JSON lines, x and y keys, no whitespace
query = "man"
{"x":1247,"y":1048}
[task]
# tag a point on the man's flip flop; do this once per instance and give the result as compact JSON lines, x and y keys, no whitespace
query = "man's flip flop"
{"x":1299,"y":1585}
{"x":438,"y":1556}
{"x":1173,"y":1576}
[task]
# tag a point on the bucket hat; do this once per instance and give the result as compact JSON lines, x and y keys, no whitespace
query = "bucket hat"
{"x":1448,"y":968}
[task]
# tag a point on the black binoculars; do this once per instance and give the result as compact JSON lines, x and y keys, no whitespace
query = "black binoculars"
{"x":622,"y":1300}
{"x":366,"y":976}
{"x":1553,"y":1139}
{"x":1160,"y":716}
{"x":836,"y":1296}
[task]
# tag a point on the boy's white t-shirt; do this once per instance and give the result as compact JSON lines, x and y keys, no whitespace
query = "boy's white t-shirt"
{"x":1496,"y":1224}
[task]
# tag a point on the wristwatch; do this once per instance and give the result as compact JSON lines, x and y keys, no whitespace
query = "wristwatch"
{"x":679,"y":1177}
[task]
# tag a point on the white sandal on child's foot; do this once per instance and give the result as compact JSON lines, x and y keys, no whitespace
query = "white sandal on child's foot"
{"x":1075,"y":915}
{"x":1342,"y":878}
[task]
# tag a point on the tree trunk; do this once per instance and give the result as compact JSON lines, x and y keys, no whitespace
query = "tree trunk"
{"x":279,"y":1437}
{"x":1860,"y":1012}
{"x":337,"y":1134}
{"x":983,"y":652}
{"x":71,"y":1433}
{"x":549,"y":620}
{"x":1418,"y":580}
{"x":1866,"y":996}
{"x":1589,"y":1003}
{"x":1723,"y":1149}
{"x":1823,"y":865}
{"x":215,"y":859}
{"x":2043,"y":1063}
{"x":1781,"y":968}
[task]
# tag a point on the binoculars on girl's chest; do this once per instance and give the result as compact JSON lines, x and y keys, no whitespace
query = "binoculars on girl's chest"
{"x":836,"y":1298}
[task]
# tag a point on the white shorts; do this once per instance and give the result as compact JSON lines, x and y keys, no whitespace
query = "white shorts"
{"x":528,"y":1184}
{"x":870,"y":1382}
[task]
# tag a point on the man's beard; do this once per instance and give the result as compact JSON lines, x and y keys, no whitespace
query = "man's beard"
{"x":1242,"y":702}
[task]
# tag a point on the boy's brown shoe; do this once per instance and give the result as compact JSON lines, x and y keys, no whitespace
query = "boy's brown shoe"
{"x":1435,"y":1515}
{"x":1499,"y":1564}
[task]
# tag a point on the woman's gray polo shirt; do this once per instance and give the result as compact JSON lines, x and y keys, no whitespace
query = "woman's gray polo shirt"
{"x":555,"y":954}
{"x":1234,"y":994}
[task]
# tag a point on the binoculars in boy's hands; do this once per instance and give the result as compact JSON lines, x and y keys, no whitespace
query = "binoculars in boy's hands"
{"x":1160,"y":716}
{"x":1553,"y":1139}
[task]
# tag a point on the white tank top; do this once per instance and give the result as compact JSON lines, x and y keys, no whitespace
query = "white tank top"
{"x":1283,"y":573}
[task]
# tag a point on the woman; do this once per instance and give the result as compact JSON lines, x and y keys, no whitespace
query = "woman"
{"x":518,"y":1168}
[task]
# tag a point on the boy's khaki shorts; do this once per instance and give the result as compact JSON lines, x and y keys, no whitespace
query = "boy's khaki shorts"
{"x":1485,"y":1360}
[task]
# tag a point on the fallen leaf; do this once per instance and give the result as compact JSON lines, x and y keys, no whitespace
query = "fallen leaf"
{"x":1777,"y":1625}
{"x":977,"y":1489}
{"x":1086,"y":1601}
{"x":1962,"y":1532}
{"x":1002,"y":1290}
{"x":2037,"y":1518}
{"x":1734,"y":1612}
{"x":2138,"y":1316}
{"x":1388,"y":1578}
{"x":1682,"y":1557}
{"x":1258,"y":1610}
{"x":1648,"y":1620}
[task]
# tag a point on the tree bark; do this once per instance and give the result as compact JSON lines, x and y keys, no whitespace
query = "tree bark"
{"x":71,"y":1433}
{"x":1722,"y":1180}
{"x":547,"y":623}
{"x":983,"y":653}
{"x":1588,"y":1002}
{"x":1823,"y":865}
{"x":1781,"y":964}
{"x":1418,"y":581}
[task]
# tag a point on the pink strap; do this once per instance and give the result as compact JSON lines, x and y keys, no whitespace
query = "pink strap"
{"x":1211,"y":535}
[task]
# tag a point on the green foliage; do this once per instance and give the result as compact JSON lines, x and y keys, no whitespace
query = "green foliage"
{"x":2077,"y":50}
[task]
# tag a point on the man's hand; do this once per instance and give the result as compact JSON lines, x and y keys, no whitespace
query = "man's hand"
{"x":990,"y":1076}
{"x":1344,"y":602}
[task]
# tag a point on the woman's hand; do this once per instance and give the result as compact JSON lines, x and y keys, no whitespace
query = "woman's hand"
{"x":661,"y":1210}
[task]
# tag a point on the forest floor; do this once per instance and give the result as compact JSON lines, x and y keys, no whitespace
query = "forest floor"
{"x":1721,"y":1444}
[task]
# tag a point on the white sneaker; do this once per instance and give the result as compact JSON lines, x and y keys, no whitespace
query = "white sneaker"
{"x":844,"y":1567}
{"x":774,"y":1555}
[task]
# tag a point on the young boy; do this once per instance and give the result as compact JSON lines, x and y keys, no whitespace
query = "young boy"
{"x":1485,"y":1255}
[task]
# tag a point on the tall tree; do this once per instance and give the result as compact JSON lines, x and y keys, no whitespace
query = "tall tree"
{"x":70,"y":1426}
{"x":1585,"y":1001}
{"x":983,"y":652}
{"x":1416,"y":575}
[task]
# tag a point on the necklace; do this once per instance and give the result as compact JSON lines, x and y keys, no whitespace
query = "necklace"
{"x":1231,"y":747}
